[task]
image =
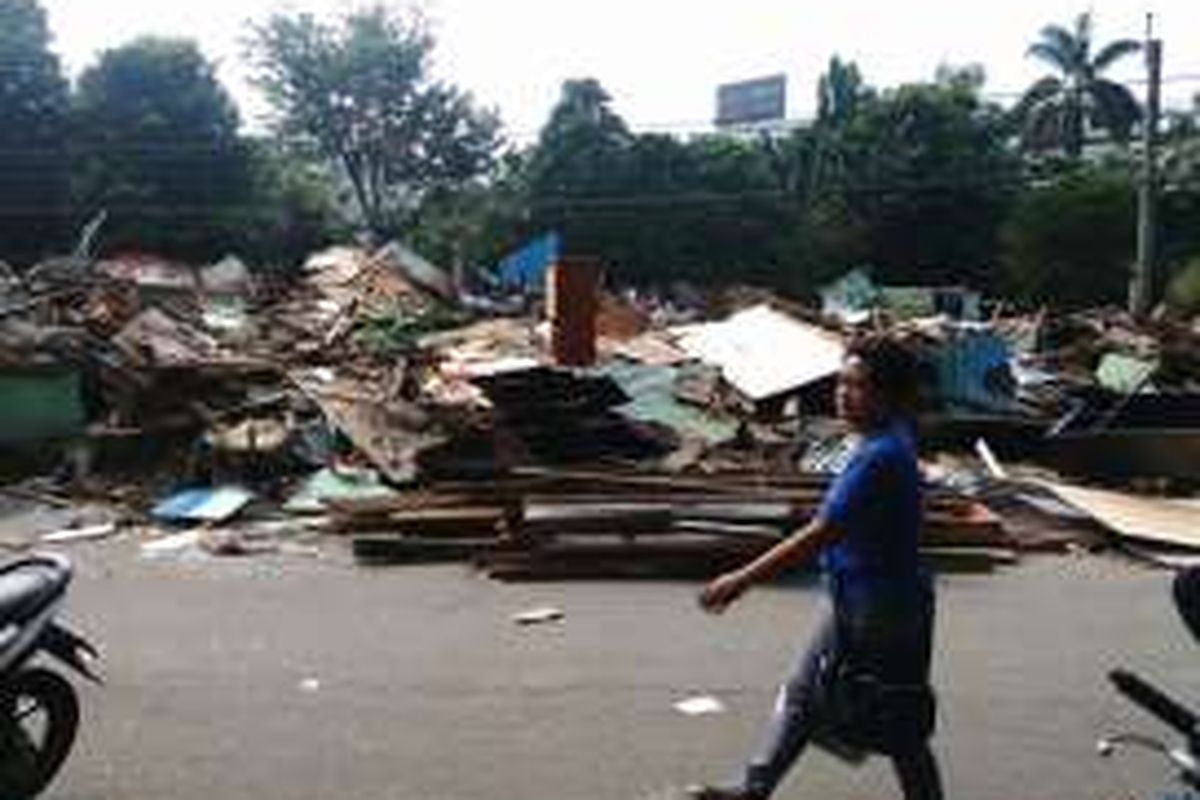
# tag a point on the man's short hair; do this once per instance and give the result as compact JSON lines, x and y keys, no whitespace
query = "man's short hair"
{"x":892,"y":369}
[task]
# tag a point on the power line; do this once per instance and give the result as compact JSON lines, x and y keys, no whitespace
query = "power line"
{"x":1007,"y":179}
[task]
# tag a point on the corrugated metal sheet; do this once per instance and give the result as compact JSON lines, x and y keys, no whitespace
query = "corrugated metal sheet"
{"x":652,"y":389}
{"x":763,"y":352}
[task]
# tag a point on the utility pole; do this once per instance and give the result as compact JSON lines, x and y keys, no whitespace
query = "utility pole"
{"x":1142,"y":290}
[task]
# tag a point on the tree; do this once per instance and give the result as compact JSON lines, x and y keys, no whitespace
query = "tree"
{"x":360,"y":90}
{"x":1180,"y":200}
{"x":33,"y":107}
{"x":296,"y":204}
{"x":840,"y":92}
{"x":1057,"y":109}
{"x":480,"y":222}
{"x":580,"y":165}
{"x":582,"y":148}
{"x":1068,"y":241}
{"x":929,"y":180}
{"x":729,"y":210}
{"x":156,"y":144}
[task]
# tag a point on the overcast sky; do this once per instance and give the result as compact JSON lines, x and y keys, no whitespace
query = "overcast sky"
{"x":662,"y":59}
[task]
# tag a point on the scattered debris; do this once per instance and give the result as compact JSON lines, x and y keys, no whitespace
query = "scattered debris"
{"x":86,"y":533}
{"x":1124,"y":374}
{"x":203,"y":505}
{"x":700,"y":705}
{"x":330,"y":485}
{"x":171,"y":545}
{"x":538,"y":616}
{"x":611,"y":433}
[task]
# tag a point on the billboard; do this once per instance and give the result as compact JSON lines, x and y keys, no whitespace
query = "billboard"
{"x":748,"y":102}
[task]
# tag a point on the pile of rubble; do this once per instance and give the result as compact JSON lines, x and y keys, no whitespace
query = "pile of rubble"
{"x":581,"y":434}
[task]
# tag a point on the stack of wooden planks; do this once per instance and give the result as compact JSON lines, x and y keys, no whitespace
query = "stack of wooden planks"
{"x":549,"y":525}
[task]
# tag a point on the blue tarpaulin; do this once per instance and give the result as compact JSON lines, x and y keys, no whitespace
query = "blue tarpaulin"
{"x":526,"y":268}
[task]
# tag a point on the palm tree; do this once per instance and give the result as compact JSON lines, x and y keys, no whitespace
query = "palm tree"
{"x":1057,"y":109}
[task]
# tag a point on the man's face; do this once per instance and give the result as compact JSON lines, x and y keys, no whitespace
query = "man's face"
{"x":856,"y":398}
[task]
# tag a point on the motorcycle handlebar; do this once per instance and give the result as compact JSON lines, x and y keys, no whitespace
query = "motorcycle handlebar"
{"x":1156,"y":702}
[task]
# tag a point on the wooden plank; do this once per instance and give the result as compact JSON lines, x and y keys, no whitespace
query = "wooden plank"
{"x":358,"y":507}
{"x":969,"y":524}
{"x":767,"y":534}
{"x":445,"y":523}
{"x":550,"y":522}
{"x":543,"y":516}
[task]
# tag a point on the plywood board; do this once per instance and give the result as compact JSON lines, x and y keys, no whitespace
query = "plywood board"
{"x":1160,"y":520}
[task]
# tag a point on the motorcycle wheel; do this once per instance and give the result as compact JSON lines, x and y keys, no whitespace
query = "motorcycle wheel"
{"x":39,"y":715}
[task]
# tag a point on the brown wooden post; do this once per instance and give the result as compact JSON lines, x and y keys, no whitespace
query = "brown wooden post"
{"x":572,"y":301}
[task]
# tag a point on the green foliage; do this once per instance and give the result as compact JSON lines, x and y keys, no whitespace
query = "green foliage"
{"x":712,"y":210}
{"x":583,"y":147}
{"x":295,"y":209}
{"x":920,"y":180}
{"x":33,"y":107}
{"x":360,"y":91}
{"x":476,"y":223}
{"x":155,"y":141}
{"x":1070,"y":241}
{"x":915,"y":180}
{"x":580,"y":165}
{"x":925,"y":172}
{"x":656,"y":208}
{"x":1183,"y":293}
{"x":840,"y":92}
{"x":1180,"y":201}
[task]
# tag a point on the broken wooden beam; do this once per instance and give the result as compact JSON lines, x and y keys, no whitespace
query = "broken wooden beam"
{"x":443,"y":523}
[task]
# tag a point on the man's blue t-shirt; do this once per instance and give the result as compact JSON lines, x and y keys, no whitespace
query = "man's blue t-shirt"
{"x":876,"y":503}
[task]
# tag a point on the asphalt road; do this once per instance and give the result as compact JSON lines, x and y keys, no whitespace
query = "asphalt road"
{"x":311,"y":679}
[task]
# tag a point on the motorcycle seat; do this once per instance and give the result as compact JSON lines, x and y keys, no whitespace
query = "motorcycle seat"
{"x":29,"y":585}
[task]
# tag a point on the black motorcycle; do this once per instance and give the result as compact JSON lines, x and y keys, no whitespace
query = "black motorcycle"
{"x":39,"y":709}
{"x":1185,"y":757}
